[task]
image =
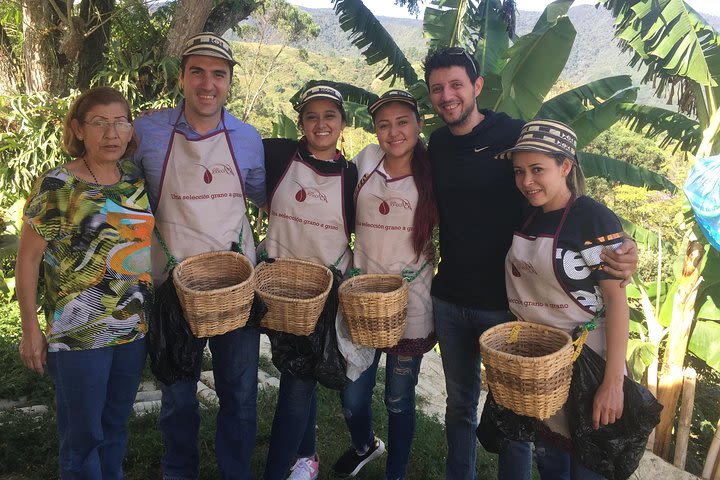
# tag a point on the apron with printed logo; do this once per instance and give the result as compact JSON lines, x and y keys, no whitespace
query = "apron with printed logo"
{"x":385,"y":213}
{"x":201,"y":204}
{"x":307,"y":217}
{"x":536,"y":294}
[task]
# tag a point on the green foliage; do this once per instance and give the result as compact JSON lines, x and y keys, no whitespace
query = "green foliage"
{"x":31,"y":142}
{"x":374,"y":41}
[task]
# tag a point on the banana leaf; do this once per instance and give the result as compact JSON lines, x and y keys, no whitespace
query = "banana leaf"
{"x":667,"y":36}
{"x":594,"y":165}
{"x":642,"y":236}
{"x":284,"y":127}
{"x":443,"y":23}
{"x":375,"y":43}
{"x":591,"y":108}
{"x":703,"y":342}
{"x":660,"y":123}
{"x":535,"y":63}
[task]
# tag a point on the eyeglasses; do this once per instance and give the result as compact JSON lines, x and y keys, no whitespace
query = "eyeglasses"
{"x":104,"y":125}
{"x":462,"y":51}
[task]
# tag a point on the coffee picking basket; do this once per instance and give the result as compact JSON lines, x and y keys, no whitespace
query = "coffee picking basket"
{"x":375,"y":308}
{"x":216,"y":291}
{"x":528,"y":366}
{"x":294,"y":292}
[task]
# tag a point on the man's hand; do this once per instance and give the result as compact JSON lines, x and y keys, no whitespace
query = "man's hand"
{"x":621,"y":262}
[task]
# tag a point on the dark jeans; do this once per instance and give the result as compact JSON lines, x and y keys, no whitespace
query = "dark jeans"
{"x":293,"y":428}
{"x":95,"y":390}
{"x":458,"y":330}
{"x":401,"y":377}
{"x":235,"y":368}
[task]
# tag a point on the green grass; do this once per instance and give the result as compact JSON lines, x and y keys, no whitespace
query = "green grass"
{"x":28,"y":446}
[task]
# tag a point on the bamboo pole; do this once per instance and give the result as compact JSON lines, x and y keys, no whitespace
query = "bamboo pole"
{"x":686,"y":410}
{"x":712,"y":454}
{"x":669,"y":388}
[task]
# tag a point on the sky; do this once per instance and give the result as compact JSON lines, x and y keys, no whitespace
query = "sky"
{"x":389,"y":9}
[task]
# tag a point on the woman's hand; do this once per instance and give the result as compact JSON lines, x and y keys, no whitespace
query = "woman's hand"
{"x":622,"y":262}
{"x":608,"y":403}
{"x":33,"y":349}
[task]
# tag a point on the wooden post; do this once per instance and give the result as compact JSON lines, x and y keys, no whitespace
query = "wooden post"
{"x":669,"y":388}
{"x":712,"y":455}
{"x":686,"y":410}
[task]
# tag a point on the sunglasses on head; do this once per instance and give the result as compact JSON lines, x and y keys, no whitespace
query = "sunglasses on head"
{"x":461,"y":51}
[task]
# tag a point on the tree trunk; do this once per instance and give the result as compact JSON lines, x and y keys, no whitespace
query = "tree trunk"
{"x":189,"y":19}
{"x":96,"y":16}
{"x":227,"y":15}
{"x":9,"y":71}
{"x":44,"y":64}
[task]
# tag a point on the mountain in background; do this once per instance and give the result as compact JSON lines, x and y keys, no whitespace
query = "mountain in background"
{"x":595,"y":53}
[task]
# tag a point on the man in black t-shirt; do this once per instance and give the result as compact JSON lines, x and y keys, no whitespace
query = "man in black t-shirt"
{"x":479,"y":209}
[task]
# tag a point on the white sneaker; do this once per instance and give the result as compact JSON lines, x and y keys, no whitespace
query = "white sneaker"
{"x":306,"y":468}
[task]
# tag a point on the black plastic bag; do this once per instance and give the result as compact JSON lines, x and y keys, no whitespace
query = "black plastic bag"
{"x":315,"y":356}
{"x":613,"y":450}
{"x":330,"y":368}
{"x":172,"y":348}
{"x":499,"y":425}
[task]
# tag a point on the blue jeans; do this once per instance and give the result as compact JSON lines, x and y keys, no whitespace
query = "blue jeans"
{"x":458,"y":329}
{"x":555,"y":463}
{"x":401,"y":377}
{"x":95,"y":390}
{"x":235,"y":368}
{"x":293,"y":428}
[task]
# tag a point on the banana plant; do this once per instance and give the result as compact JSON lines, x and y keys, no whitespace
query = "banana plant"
{"x":680,"y":52}
{"x":518,"y":71}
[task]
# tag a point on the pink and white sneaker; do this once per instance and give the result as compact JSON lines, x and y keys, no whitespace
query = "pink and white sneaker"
{"x":306,"y":468}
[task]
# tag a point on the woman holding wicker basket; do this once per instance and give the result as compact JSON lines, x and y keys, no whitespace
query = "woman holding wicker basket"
{"x":554,"y":276}
{"x":311,"y":216}
{"x":395,"y":217}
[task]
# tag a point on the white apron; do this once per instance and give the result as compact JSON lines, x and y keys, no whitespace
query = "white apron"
{"x":536,"y":294}
{"x":201,"y":204}
{"x":384,"y":217}
{"x":307,"y":217}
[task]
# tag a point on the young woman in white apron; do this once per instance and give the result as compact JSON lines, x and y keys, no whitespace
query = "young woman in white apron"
{"x":554,"y":276}
{"x":310,"y":217}
{"x":395,"y":216}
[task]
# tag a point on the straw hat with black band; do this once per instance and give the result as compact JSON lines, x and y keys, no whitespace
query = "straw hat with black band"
{"x":545,"y":136}
{"x":210,"y":45}
{"x":394,"y":95}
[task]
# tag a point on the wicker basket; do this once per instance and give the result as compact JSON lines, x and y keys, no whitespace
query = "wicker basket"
{"x":216,"y":291}
{"x":375,"y":308}
{"x":531,"y":375}
{"x":294,"y":292}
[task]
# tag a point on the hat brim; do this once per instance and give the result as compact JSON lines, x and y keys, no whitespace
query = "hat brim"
{"x":373,"y":108}
{"x":507,"y":154}
{"x":209,"y":53}
{"x":316,"y":96}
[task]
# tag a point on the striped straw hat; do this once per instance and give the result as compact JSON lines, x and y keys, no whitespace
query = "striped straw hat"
{"x":209,"y":44}
{"x":544,"y":136}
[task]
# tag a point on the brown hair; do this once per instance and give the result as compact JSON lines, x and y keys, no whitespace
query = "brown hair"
{"x":575,"y":179}
{"x":81,"y":106}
